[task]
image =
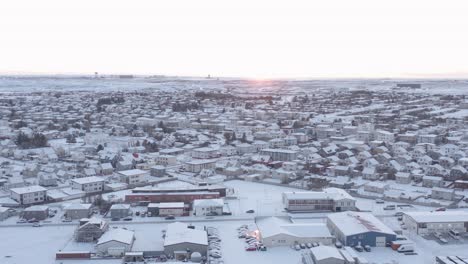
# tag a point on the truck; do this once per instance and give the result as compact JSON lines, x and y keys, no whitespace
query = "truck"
{"x":406,"y":248}
{"x":395,"y":245}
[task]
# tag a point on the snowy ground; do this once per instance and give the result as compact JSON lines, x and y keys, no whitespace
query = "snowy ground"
{"x":27,"y":243}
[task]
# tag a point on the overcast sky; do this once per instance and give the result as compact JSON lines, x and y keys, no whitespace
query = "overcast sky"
{"x":249,"y":38}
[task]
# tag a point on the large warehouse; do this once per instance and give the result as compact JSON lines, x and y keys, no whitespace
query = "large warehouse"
{"x":330,"y":199}
{"x":354,"y":228}
{"x":431,"y":222}
{"x":276,"y":231}
{"x":181,"y":241}
{"x":115,"y":242}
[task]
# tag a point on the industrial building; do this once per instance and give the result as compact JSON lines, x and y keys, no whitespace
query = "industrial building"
{"x":181,"y":241}
{"x":322,"y":255}
{"x":119,"y":210}
{"x":330,"y":199}
{"x":357,"y":228}
{"x":185,"y":197}
{"x":436,"y":222}
{"x":165,"y":209}
{"x":276,"y":231}
{"x":115,"y":242}
{"x":202,"y":207}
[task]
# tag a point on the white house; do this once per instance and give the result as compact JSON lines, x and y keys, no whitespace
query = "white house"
{"x":28,"y":195}
{"x":202,"y":207}
{"x":135,"y":176}
{"x":88,"y":184}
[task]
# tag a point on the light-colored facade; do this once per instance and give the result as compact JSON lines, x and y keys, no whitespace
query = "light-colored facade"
{"x":330,"y":199}
{"x":202,"y":207}
{"x":91,"y":184}
{"x":436,"y":222}
{"x":29,"y":195}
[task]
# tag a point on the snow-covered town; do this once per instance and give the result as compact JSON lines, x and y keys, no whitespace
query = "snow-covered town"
{"x":148,"y":169}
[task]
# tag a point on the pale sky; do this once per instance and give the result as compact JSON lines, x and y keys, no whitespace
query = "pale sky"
{"x":238,"y":38}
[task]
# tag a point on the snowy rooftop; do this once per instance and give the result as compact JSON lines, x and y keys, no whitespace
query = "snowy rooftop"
{"x":132,"y":172}
{"x":271,"y":226}
{"x":439,"y":217}
{"x":208,"y":202}
{"x":29,"y":189}
{"x":180,"y":233}
{"x":86,"y":180}
{"x":325,"y":252}
{"x":167,"y":205}
{"x":328,"y":193}
{"x":119,"y":235}
{"x":351,"y":223}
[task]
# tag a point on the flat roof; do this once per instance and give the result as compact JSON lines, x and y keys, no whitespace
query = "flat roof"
{"x":328,"y":193}
{"x":178,"y":233}
{"x":352,"y":223}
{"x":28,"y":189}
{"x":280,"y":150}
{"x":132,"y":172}
{"x":86,"y":180}
{"x":439,"y":217}
{"x":167,"y":205}
{"x":271,"y":226}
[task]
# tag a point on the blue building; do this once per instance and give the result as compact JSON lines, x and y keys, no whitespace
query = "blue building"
{"x":357,"y":228}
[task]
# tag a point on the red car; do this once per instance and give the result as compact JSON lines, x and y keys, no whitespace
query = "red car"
{"x":440,"y":209}
{"x":250,"y":249}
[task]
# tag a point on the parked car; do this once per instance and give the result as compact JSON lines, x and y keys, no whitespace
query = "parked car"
{"x":137,"y":213}
{"x":302,"y":245}
{"x":262,"y":248}
{"x":21,"y":221}
{"x":37,"y":224}
{"x":309,"y":245}
{"x":338,"y":244}
{"x":441,"y":209}
{"x":390,"y":207}
{"x":379,"y":201}
{"x":250,"y":211}
{"x":66,"y":220}
{"x":367,"y":248}
{"x":250,"y":248}
{"x":128,"y":218}
{"x":169,"y":217}
{"x":359,"y":248}
{"x":297,"y":247}
{"x":399,"y":214}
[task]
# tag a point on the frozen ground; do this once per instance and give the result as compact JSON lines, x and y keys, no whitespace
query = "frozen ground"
{"x":28,"y":244}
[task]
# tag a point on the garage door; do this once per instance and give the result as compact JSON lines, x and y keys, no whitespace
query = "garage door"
{"x":380,"y":241}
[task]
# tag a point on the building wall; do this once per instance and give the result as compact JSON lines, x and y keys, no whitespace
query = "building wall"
{"x":171,"y":211}
{"x":38,"y":215}
{"x":287,"y":240}
{"x":29,"y":198}
{"x":103,"y":248}
{"x":202,"y":249}
{"x":202,"y":210}
{"x":77,"y":214}
{"x":119,"y":213}
{"x":431,"y":228}
{"x":368,"y":238}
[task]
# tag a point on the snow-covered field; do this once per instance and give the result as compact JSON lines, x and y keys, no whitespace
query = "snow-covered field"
{"x":26,"y":244}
